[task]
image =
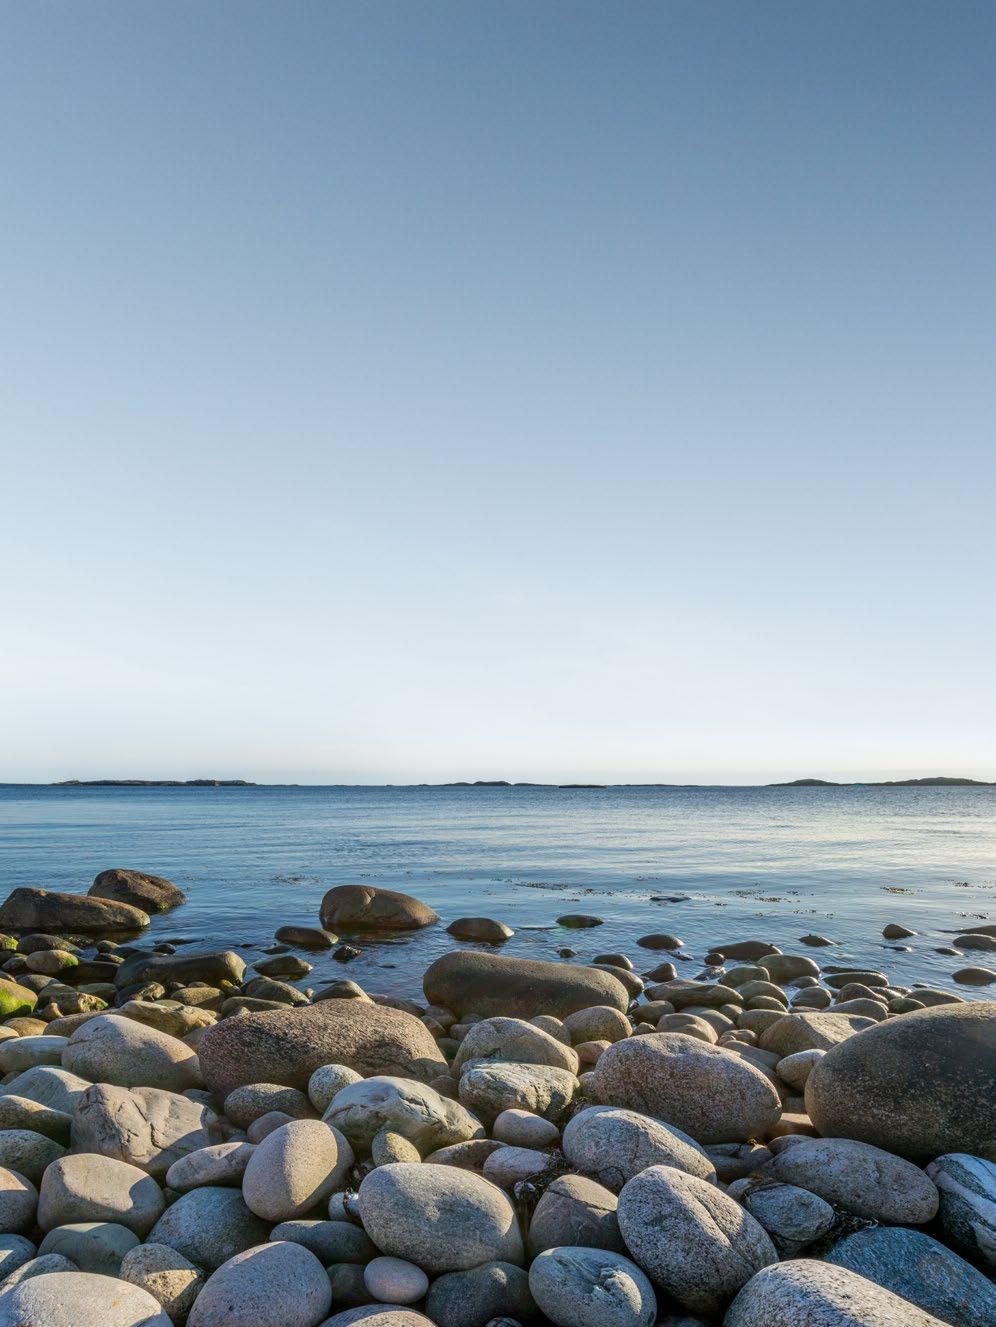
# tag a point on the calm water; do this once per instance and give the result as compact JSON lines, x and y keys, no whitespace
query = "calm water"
{"x":771,"y":863}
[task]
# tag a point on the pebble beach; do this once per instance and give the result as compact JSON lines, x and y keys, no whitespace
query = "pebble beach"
{"x":613,"y":1139}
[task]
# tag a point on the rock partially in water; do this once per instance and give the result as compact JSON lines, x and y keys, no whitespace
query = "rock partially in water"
{"x":150,"y":893}
{"x":366,"y":908}
{"x":472,"y":981}
{"x":29,"y":909}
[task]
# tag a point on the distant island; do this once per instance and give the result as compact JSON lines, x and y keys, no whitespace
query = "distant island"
{"x":153,"y":783}
{"x":935,"y":781}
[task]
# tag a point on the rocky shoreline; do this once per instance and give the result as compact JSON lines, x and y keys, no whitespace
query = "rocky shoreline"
{"x":774,"y":1142}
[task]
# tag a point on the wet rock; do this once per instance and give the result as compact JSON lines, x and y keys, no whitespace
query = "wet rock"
{"x":150,"y":893}
{"x":919,"y":1085}
{"x":288,"y":1047}
{"x":364,"y":907}
{"x":472,"y":981}
{"x":691,"y":1239}
{"x":485,"y":930}
{"x":918,"y":1268}
{"x":306,"y":937}
{"x":709,"y":1093}
{"x":438,"y":1217}
{"x":806,"y":1292}
{"x":28,"y":909}
{"x":582,"y":1287}
{"x":858,"y":1178}
{"x":751,"y":950}
{"x":974,"y":976}
{"x":895,"y":931}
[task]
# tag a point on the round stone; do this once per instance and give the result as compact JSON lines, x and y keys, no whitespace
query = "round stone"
{"x":170,"y":1278}
{"x":89,"y":1187}
{"x":294,"y":1169}
{"x":209,"y":1226}
{"x":612,"y":1145}
{"x":18,"y":1203}
{"x":275,"y":1285}
{"x":395,"y":1281}
{"x":326,"y":1081}
{"x":582,"y":1287}
{"x":574,"y":1210}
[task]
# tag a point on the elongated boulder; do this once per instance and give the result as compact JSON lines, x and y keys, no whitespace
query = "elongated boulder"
{"x":413,"y":1110}
{"x":512,"y":1040}
{"x":87,"y":1187}
{"x":805,"y":1293}
{"x":441,"y":1218}
{"x":366,"y":908}
{"x":920,"y":1085}
{"x":112,"y":1049}
{"x":28,"y":909}
{"x":294,"y":1169}
{"x":613,"y":1145}
{"x":470,"y":981}
{"x":705,"y":1091}
{"x":815,"y":1031}
{"x":79,"y":1299}
{"x":151,"y":893}
{"x":278,"y":1046}
{"x":911,"y":1264}
{"x":16,"y":1000}
{"x":214,"y":966}
{"x":858,"y":1178}
{"x":276,"y":1285}
{"x":145,"y":1126}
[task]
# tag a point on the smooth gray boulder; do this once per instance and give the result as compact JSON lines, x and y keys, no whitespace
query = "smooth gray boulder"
{"x":209,"y":1226}
{"x":488,"y":1089}
{"x":218,"y":1164}
{"x":145,"y":1126}
{"x":582,"y":1287}
{"x":93,"y":1246}
{"x":329,"y":1241}
{"x":18,"y":1203}
{"x":512,"y":1041}
{"x":691,"y":1238}
{"x":79,"y":1299}
{"x":793,"y":1217}
{"x":294,"y":1169}
{"x":49,"y":1086}
{"x":805,"y":1293}
{"x":492,"y":1292}
{"x":112,"y":1049}
{"x":574,"y":1210}
{"x":471,"y":981}
{"x":276,"y":1285}
{"x":441,"y":1218}
{"x":417,"y":1112}
{"x":613,"y":1145}
{"x":28,"y":1153}
{"x":213,"y":967}
{"x":287,"y":1046}
{"x":858,"y":1178}
{"x":911,"y":1264}
{"x":920,"y":1084}
{"x":709,"y":1093}
{"x":15,"y":1251}
{"x":811,"y":1031}
{"x":89,"y":1187}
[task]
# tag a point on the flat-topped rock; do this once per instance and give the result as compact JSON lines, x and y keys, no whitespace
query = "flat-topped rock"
{"x":365,"y":908}
{"x":288,"y":1046}
{"x":470,"y":981}
{"x":485,"y":930}
{"x":28,"y":909}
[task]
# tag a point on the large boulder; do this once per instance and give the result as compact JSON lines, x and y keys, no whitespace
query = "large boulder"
{"x":209,"y":1225}
{"x":857,"y":1178}
{"x":613,"y":1145}
{"x":112,"y":1049}
{"x":709,"y":1093}
{"x":276,"y":1285}
{"x":145,"y":1126}
{"x":911,"y":1264}
{"x":294,"y":1169}
{"x":471,"y":981}
{"x":28,"y":909}
{"x":278,"y":1046}
{"x":151,"y":893}
{"x":691,"y":1239}
{"x":413,"y":1110}
{"x":441,"y":1218}
{"x":87,"y":1187}
{"x":920,"y":1085}
{"x":214,"y":966}
{"x":366,"y":908}
{"x":804,"y":1293}
{"x":79,"y":1299}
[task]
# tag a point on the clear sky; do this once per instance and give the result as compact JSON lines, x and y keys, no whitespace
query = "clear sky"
{"x":397,"y":389}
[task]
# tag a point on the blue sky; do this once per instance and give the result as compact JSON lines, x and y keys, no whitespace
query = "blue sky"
{"x":399,"y":391}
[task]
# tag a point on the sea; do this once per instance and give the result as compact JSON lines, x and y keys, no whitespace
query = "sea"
{"x":705,"y":864}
